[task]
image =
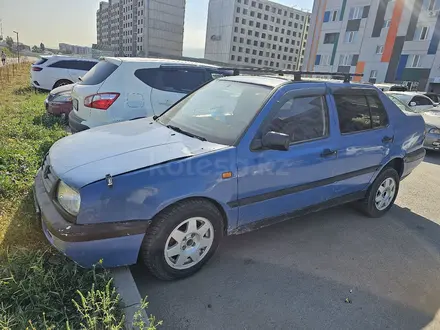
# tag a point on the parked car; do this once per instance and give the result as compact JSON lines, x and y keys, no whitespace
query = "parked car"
{"x":435,"y":98}
{"x":432,"y":123}
{"x":237,"y":154}
{"x":50,"y":72}
{"x":59,"y":101}
{"x":391,"y":87}
{"x":416,"y":101}
{"x":120,"y":89}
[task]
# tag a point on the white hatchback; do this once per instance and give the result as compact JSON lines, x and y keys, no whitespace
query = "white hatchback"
{"x":416,"y":101}
{"x":50,"y":72}
{"x":120,"y":89}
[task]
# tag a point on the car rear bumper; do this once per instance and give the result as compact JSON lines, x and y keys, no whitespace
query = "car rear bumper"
{"x":58,"y":108}
{"x":76,"y":124}
{"x":116,"y":244}
{"x":432,"y":141}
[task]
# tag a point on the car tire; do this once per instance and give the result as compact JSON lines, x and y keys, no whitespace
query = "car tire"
{"x":381,"y":194}
{"x":176,"y":244}
{"x":62,"y":82}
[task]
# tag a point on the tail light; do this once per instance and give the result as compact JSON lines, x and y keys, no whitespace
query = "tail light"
{"x":101,"y":101}
{"x":36,"y":68}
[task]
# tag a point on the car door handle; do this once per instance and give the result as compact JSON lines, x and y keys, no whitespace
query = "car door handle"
{"x":328,"y":153}
{"x":388,"y":139}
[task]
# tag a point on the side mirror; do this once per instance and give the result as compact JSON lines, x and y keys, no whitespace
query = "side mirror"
{"x":412,"y":104}
{"x":276,"y":141}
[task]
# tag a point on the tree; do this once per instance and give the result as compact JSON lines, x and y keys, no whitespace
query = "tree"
{"x":35,"y":49}
{"x":42,"y":47}
{"x":9,"y":42}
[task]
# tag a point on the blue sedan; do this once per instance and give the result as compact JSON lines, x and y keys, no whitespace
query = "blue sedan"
{"x":237,"y":154}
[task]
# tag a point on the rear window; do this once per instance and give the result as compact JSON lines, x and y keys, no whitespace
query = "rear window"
{"x":41,"y":61}
{"x":98,"y":73}
{"x":172,"y":80}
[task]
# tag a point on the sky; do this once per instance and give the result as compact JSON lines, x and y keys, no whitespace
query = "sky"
{"x":74,"y":22}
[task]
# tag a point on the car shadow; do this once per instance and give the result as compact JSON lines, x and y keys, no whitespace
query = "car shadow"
{"x":23,"y":228}
{"x":27,"y":90}
{"x":432,"y":157}
{"x":334,"y":269}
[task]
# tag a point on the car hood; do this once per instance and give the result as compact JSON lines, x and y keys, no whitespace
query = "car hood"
{"x":62,"y":89}
{"x":432,"y":118}
{"x":89,"y":156}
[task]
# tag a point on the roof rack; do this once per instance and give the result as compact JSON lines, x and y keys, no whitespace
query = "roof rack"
{"x":297,"y":75}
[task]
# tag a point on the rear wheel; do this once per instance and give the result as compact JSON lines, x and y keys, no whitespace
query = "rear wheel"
{"x":62,"y":82}
{"x":182,"y":239}
{"x":382,"y":194}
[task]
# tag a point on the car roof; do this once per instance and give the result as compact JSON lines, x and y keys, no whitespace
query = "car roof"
{"x":159,"y":61}
{"x":64,"y":57}
{"x":275,"y":81}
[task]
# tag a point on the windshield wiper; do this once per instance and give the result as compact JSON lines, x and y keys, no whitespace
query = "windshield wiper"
{"x":178,"y":129}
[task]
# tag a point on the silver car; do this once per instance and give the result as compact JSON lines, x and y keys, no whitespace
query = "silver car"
{"x":432,"y":122}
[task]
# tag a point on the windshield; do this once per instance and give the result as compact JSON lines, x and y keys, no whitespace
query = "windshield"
{"x":401,"y":103}
{"x":219,"y":111}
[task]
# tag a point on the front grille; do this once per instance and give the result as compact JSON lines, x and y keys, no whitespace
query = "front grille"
{"x":49,"y":178}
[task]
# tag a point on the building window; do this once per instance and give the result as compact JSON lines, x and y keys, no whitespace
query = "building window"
{"x":251,"y":23}
{"x":247,"y":51}
{"x":275,"y":38}
{"x":267,"y":8}
{"x":350,"y":36}
{"x":243,"y":21}
{"x":240,"y":49}
{"x":246,"y":59}
{"x":373,"y":74}
{"x":234,"y":48}
{"x":277,"y":29}
{"x":235,"y":39}
{"x":258,"y":24}
{"x":280,"y":11}
{"x":414,"y":61}
{"x":260,"y":53}
{"x":252,"y":13}
{"x":431,"y":4}
{"x":254,"y":52}
{"x":258,"y":15}
{"x":241,"y":40}
{"x":257,"y":34}
{"x":266,"y":17}
{"x":278,"y":21}
{"x":264,"y":26}
{"x":386,"y":23}
{"x":259,"y":62}
{"x":272,"y":19}
{"x":286,"y":49}
{"x":249,"y":32}
{"x":345,"y":59}
{"x":355,"y":13}
{"x":244,"y":11}
{"x":246,"y":2}
{"x":255,"y":43}
{"x":232,"y":57}
{"x":242,"y":31}
{"x":239,"y":58}
{"x":236,"y":29}
{"x":379,"y":49}
{"x":422,"y":32}
{"x":263,"y":35}
{"x":248,"y":41}
{"x":253,"y":61}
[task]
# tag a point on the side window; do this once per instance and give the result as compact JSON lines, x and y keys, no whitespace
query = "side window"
{"x":172,"y":80}
{"x":63,"y":64}
{"x":84,"y":65}
{"x":379,"y":115}
{"x":302,"y":118}
{"x":353,"y":113}
{"x":420,"y":100}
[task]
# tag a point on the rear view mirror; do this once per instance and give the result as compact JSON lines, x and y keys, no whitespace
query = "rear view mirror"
{"x":276,"y":141}
{"x":412,"y":104}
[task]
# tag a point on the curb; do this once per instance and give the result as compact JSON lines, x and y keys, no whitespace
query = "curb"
{"x":129,"y":293}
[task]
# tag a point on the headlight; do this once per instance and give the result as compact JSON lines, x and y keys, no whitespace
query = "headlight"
{"x":67,"y":97}
{"x":68,"y":198}
{"x":434,"y":131}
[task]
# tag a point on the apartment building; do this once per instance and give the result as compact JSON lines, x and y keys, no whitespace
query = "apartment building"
{"x":75,"y":49}
{"x":141,"y":27}
{"x":387,"y":41}
{"x":256,"y":33}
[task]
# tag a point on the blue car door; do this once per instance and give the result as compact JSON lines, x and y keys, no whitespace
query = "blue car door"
{"x":365,"y":137}
{"x":272,"y":183}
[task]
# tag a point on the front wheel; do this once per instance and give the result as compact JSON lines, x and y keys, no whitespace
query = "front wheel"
{"x":382,"y":194}
{"x":182,"y":239}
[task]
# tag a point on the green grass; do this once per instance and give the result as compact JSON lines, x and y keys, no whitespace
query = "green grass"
{"x":40,"y":289}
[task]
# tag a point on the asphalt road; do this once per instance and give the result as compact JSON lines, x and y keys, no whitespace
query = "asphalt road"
{"x":298,"y":274}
